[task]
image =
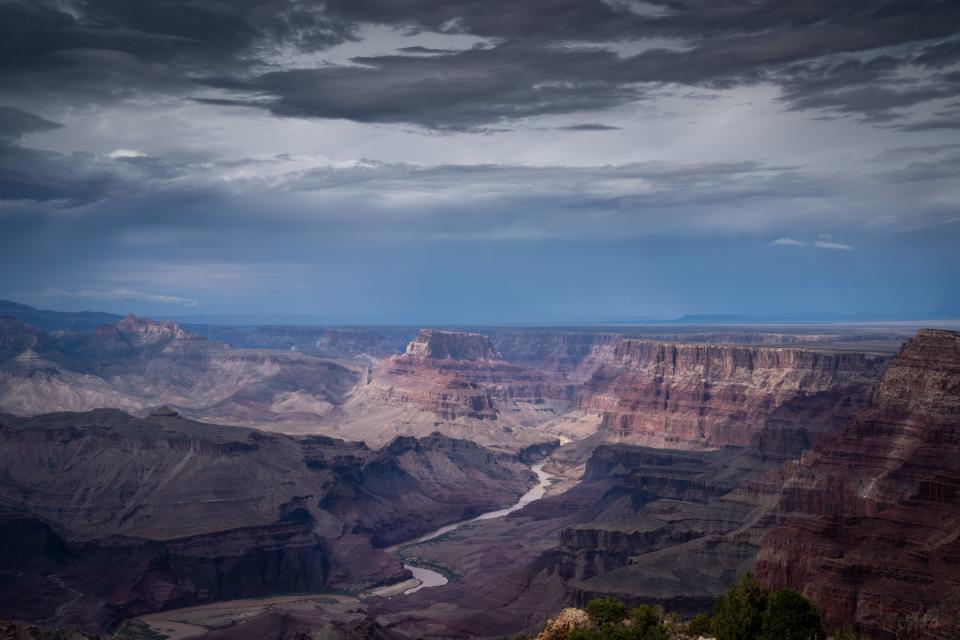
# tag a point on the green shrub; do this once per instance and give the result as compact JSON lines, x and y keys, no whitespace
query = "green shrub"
{"x":790,"y":616}
{"x":606,"y":611}
{"x":739,"y":613}
{"x":645,"y":617}
{"x":745,"y":612}
{"x":655,"y":633}
{"x":701,"y":625}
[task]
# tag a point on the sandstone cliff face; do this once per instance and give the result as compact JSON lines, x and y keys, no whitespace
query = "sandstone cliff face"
{"x":872,"y":529}
{"x":451,"y":345}
{"x":443,"y":388}
{"x":104,"y":516}
{"x":679,"y":395}
{"x":456,"y":383}
{"x":576,"y":355}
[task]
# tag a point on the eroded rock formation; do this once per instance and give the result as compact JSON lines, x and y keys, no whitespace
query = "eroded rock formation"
{"x":454,"y":382}
{"x":683,"y":395}
{"x":105,"y":516}
{"x":451,"y":345}
{"x":138,"y":363}
{"x":872,"y":529}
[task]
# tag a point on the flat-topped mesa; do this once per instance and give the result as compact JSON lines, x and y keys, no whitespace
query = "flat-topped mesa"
{"x":451,"y":345}
{"x":144,"y":331}
{"x":869,"y":518}
{"x":657,"y":393}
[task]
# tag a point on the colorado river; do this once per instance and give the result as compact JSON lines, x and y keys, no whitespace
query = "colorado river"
{"x":429,"y":577}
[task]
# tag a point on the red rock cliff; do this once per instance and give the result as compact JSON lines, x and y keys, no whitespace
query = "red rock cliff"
{"x":872,"y":515}
{"x":451,"y":345}
{"x":666,"y":394}
{"x":456,"y":374}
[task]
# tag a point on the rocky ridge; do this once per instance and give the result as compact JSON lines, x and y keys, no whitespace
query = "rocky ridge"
{"x":871,"y":517}
{"x":138,"y":363}
{"x":104,"y":516}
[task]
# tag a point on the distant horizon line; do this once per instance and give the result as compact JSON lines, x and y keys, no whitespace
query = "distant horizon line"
{"x":398,"y":320}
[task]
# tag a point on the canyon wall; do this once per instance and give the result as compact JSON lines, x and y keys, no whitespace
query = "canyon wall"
{"x":456,"y":383}
{"x":683,"y":395}
{"x":871,"y":525}
{"x":672,"y":523}
{"x":576,"y":353}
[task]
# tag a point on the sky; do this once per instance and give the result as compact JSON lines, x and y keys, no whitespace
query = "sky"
{"x":481,"y":160}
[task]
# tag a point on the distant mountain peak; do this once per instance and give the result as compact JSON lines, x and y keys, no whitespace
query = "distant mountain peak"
{"x":48,"y":320}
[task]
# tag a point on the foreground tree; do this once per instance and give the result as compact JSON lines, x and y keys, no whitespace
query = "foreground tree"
{"x":739,"y":613}
{"x":700,"y":625}
{"x":790,"y":616}
{"x":606,"y":611}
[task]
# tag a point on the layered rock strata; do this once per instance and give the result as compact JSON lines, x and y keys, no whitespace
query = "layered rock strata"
{"x":457,"y":383}
{"x":673,"y":525}
{"x":872,"y":516}
{"x":683,"y":395}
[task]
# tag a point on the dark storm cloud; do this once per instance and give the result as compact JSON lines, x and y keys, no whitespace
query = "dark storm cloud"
{"x":103,"y":49}
{"x":939,"y":55}
{"x":879,"y":89}
{"x":531,"y":69}
{"x":848,"y":58}
{"x":589,"y":126}
{"x":28,"y":174}
{"x":14,"y":123}
{"x":838,"y":26}
{"x":947,"y":118}
{"x":199,"y":33}
{"x":456,"y":90}
{"x":33,"y":175}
